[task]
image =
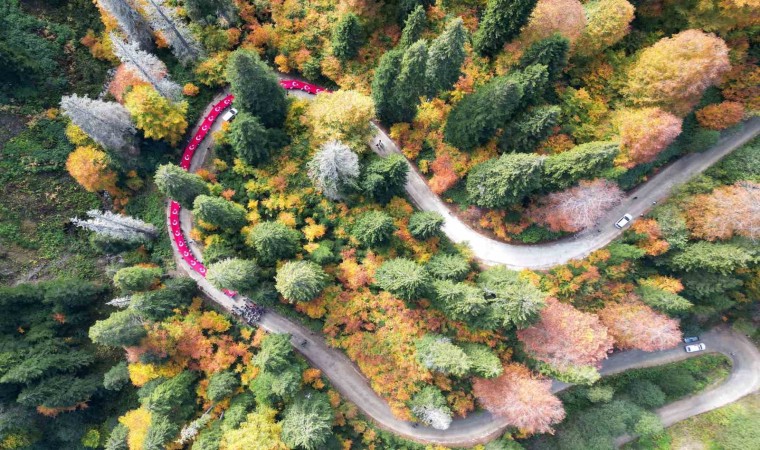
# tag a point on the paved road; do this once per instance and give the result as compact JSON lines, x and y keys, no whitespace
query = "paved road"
{"x":480,"y":427}
{"x":543,"y":256}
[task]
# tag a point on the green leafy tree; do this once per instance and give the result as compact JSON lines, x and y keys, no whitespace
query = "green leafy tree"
{"x":300,"y":281}
{"x":59,"y":391}
{"x":136,"y":278}
{"x":429,"y":406}
{"x":413,"y":27}
{"x":222,"y":385}
{"x":718,"y":258}
{"x":253,"y":142}
{"x":445,"y":58}
{"x":160,"y":432}
{"x":483,"y":361}
{"x":347,"y":37}
{"x":411,"y":83}
{"x":117,"y":377}
{"x":504,"y":181}
{"x":648,"y":425}
{"x":234,"y":273}
{"x":385,"y":177}
{"x":662,"y":300}
{"x":437,"y":353}
{"x":527,"y":131}
{"x":501,"y":22}
{"x":583,"y":161}
{"x":512,"y":299}
{"x":180,"y":185}
{"x":373,"y":228}
{"x":403,"y":278}
{"x":425,"y":224}
{"x":117,"y":440}
{"x":384,"y":83}
{"x":120,"y":329}
{"x":645,"y":394}
{"x":551,"y":52}
{"x":269,"y":388}
{"x":161,"y":303}
{"x":273,"y":241}
{"x":219,"y":212}
{"x":307,"y":422}
{"x":174,"y":398}
{"x":448,"y":267}
{"x":256,"y":88}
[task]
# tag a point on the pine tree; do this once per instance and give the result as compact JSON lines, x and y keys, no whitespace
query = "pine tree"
{"x":551,"y":52}
{"x":179,"y":185}
{"x":117,"y":227}
{"x":445,"y":58}
{"x":347,"y":37}
{"x":207,"y":12}
{"x":383,"y":85}
{"x":410,"y":84}
{"x":373,"y":228}
{"x":430,"y":407}
{"x":448,"y":267}
{"x":403,"y":278}
{"x":514,"y":300}
{"x":584,"y":161}
{"x":122,"y":328}
{"x":130,"y":21}
{"x":273,"y":241}
{"x":413,"y":27}
{"x":504,"y":181}
{"x":523,"y":134}
{"x":501,"y":22}
{"x":256,"y":88}
{"x":233,"y":273}
{"x":107,"y":123}
{"x":483,"y":361}
{"x":385,"y":177}
{"x":334,"y":170}
{"x":300,"y":281}
{"x":164,"y":19}
{"x":438,"y":353}
{"x":425,"y":224}
{"x":219,"y":212}
{"x":146,"y":66}
{"x":307,"y":422}
{"x":252,"y":142}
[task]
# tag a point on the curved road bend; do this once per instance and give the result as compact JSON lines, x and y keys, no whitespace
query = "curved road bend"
{"x":479,"y":427}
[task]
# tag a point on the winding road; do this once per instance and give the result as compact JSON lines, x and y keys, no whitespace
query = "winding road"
{"x":478,"y":427}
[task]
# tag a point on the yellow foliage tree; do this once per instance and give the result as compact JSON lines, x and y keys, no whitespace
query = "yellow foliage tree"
{"x":156,"y":116}
{"x":342,"y":116}
{"x":137,"y":422}
{"x":608,"y":23}
{"x":89,"y":167}
{"x":258,"y":432}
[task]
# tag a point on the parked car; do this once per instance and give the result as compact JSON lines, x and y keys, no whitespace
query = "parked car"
{"x":695,"y":348}
{"x":690,"y":339}
{"x":229,"y":115}
{"x":625,"y":220}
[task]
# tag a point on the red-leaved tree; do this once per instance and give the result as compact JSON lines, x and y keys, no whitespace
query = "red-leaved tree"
{"x":565,"y":336}
{"x":644,"y":133}
{"x":728,"y":210}
{"x":576,"y":208}
{"x":635,"y":325}
{"x":524,"y":399}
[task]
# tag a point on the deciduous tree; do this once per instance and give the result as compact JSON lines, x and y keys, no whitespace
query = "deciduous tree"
{"x":156,"y":116}
{"x":522,"y":398}
{"x":136,"y":278}
{"x":644,"y":133}
{"x":674,"y":72}
{"x":565,"y":17}
{"x":635,"y":325}
{"x":727,"y":211}
{"x":608,"y":23}
{"x":720,"y":116}
{"x":89,"y":167}
{"x":576,"y":208}
{"x":501,"y":22}
{"x":259,"y":431}
{"x":180,"y":185}
{"x":343,"y":116}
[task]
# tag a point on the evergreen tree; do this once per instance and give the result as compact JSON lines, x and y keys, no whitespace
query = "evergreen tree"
{"x":445,"y":58}
{"x":463,"y":302}
{"x":385,"y":177}
{"x":117,"y":440}
{"x":300,"y":281}
{"x":222,"y":385}
{"x":334,"y":170}
{"x":719,"y":258}
{"x":429,"y":406}
{"x":276,"y":353}
{"x":180,"y":185}
{"x":117,"y":227}
{"x":256,"y":88}
{"x":233,"y":273}
{"x":403,"y":278}
{"x":130,"y":21}
{"x":551,"y":52}
{"x":121,"y":329}
{"x":117,"y":377}
{"x":406,"y":7}
{"x":501,"y":22}
{"x":448,"y":267}
{"x":513,"y":299}
{"x":504,"y":181}
{"x":383,"y":84}
{"x":534,"y":80}
{"x":413,"y":27}
{"x":273,"y":241}
{"x":437,"y":353}
{"x":174,"y":398}
{"x":373,"y":228}
{"x":425,"y":224}
{"x":475,"y":119}
{"x":307,"y":422}
{"x":483,"y":361}
{"x":252,"y":142}
{"x":208,"y":12}
{"x":136,"y":278}
{"x":523,"y":134}
{"x":411,"y":83}
{"x":146,"y":66}
{"x":584,"y":161}
{"x":107,"y":123}
{"x":219,"y":212}
{"x":347,"y":37}
{"x":165,"y":19}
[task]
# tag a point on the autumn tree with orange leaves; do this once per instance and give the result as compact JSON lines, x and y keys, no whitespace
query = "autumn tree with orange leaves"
{"x":720,"y":116}
{"x":635,"y":325}
{"x":89,"y":166}
{"x":644,"y":133}
{"x":524,"y":399}
{"x":576,"y":208}
{"x":565,"y":17}
{"x":728,"y":211}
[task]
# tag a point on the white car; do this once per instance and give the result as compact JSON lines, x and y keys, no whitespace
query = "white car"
{"x":695,"y":348}
{"x":229,"y":114}
{"x":625,"y":220}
